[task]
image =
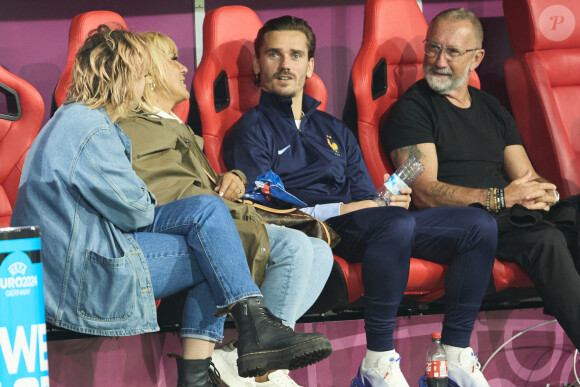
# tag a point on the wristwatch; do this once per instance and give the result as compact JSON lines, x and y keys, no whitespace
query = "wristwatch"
{"x":557,"y":196}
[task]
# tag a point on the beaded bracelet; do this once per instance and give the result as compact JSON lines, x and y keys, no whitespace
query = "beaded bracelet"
{"x":487,"y":199}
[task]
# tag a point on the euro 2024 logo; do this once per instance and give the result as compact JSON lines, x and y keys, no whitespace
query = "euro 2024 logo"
{"x":17,"y":268}
{"x":18,"y":283}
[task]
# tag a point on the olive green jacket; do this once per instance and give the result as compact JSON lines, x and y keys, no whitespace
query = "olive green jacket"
{"x":168,"y":157}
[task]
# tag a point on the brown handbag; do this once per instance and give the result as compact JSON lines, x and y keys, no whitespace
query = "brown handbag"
{"x":298,"y":220}
{"x":292,"y":218}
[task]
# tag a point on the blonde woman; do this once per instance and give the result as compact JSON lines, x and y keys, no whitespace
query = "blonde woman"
{"x":169,"y":158}
{"x":109,"y":252}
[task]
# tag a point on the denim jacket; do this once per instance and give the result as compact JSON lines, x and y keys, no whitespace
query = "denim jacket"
{"x":79,"y":187}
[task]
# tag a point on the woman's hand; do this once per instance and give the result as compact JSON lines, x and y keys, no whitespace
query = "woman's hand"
{"x":229,"y":186}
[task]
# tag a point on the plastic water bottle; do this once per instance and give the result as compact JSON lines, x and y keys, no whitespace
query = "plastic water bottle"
{"x":403,"y":177}
{"x":436,"y":365}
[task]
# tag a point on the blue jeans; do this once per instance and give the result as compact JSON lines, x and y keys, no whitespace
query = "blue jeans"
{"x":193,"y":244}
{"x":296,"y":273}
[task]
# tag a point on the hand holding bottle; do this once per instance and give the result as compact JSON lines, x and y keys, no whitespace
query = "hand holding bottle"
{"x":403,"y":199}
{"x":405,"y":175}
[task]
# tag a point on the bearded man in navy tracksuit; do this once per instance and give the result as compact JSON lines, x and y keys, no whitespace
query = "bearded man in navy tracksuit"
{"x":320,"y":162}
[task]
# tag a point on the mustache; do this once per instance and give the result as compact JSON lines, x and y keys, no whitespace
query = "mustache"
{"x":443,"y":71}
{"x":284,"y":73}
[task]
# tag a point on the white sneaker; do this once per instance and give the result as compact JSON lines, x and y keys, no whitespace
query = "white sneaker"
{"x":387,"y":374}
{"x":464,"y":371}
{"x":278,"y":378}
{"x":224,"y":360}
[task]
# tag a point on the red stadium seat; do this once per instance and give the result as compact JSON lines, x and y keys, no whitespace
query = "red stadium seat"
{"x":223,"y":83}
{"x":543,"y":84}
{"x":20,"y":120}
{"x":80,"y":27}
{"x":390,"y":61}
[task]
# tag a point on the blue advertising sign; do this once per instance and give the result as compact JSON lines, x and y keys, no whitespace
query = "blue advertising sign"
{"x":23,"y":347}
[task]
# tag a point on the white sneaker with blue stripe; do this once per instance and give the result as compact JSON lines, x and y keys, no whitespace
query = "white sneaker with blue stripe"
{"x":463,"y":368}
{"x":386,"y":374}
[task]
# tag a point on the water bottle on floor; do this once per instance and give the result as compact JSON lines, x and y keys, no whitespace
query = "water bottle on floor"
{"x":436,"y":365}
{"x":403,"y":177}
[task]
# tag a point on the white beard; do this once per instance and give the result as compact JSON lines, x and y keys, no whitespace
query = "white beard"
{"x":444,"y":86}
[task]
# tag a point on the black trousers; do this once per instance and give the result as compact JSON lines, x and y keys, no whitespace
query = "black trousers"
{"x":384,"y":239}
{"x":544,"y":253}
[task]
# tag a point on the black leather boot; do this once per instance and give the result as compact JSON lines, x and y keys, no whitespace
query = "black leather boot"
{"x":193,"y":373}
{"x":265,"y":344}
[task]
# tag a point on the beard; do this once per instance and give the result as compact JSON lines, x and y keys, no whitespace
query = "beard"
{"x":289,"y":91}
{"x":285,"y":93}
{"x":443,"y":86}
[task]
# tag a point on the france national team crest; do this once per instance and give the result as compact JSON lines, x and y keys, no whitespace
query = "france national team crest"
{"x":333,"y":145}
{"x":23,"y":346}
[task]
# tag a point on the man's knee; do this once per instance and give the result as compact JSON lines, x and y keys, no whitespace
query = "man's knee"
{"x":396,"y":224}
{"x":550,"y":244}
{"x":537,"y":250}
{"x":485,"y":229}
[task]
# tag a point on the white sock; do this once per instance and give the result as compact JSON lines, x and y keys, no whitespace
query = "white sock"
{"x":452,"y":352}
{"x":372,"y":358}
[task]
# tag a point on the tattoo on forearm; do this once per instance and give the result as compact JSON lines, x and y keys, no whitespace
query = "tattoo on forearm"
{"x":443,"y":190}
{"x":403,"y":153}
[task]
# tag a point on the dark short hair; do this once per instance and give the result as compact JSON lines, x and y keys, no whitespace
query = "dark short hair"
{"x":459,"y":14}
{"x":286,"y":23}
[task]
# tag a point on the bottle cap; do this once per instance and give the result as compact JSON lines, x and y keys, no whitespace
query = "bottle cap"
{"x":435,"y":335}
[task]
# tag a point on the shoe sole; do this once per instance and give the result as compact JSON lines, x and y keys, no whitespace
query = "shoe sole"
{"x":357,"y":382}
{"x":290,"y":358}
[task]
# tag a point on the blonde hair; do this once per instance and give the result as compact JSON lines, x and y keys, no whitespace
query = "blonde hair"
{"x":106,"y":69}
{"x":161,"y":47}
